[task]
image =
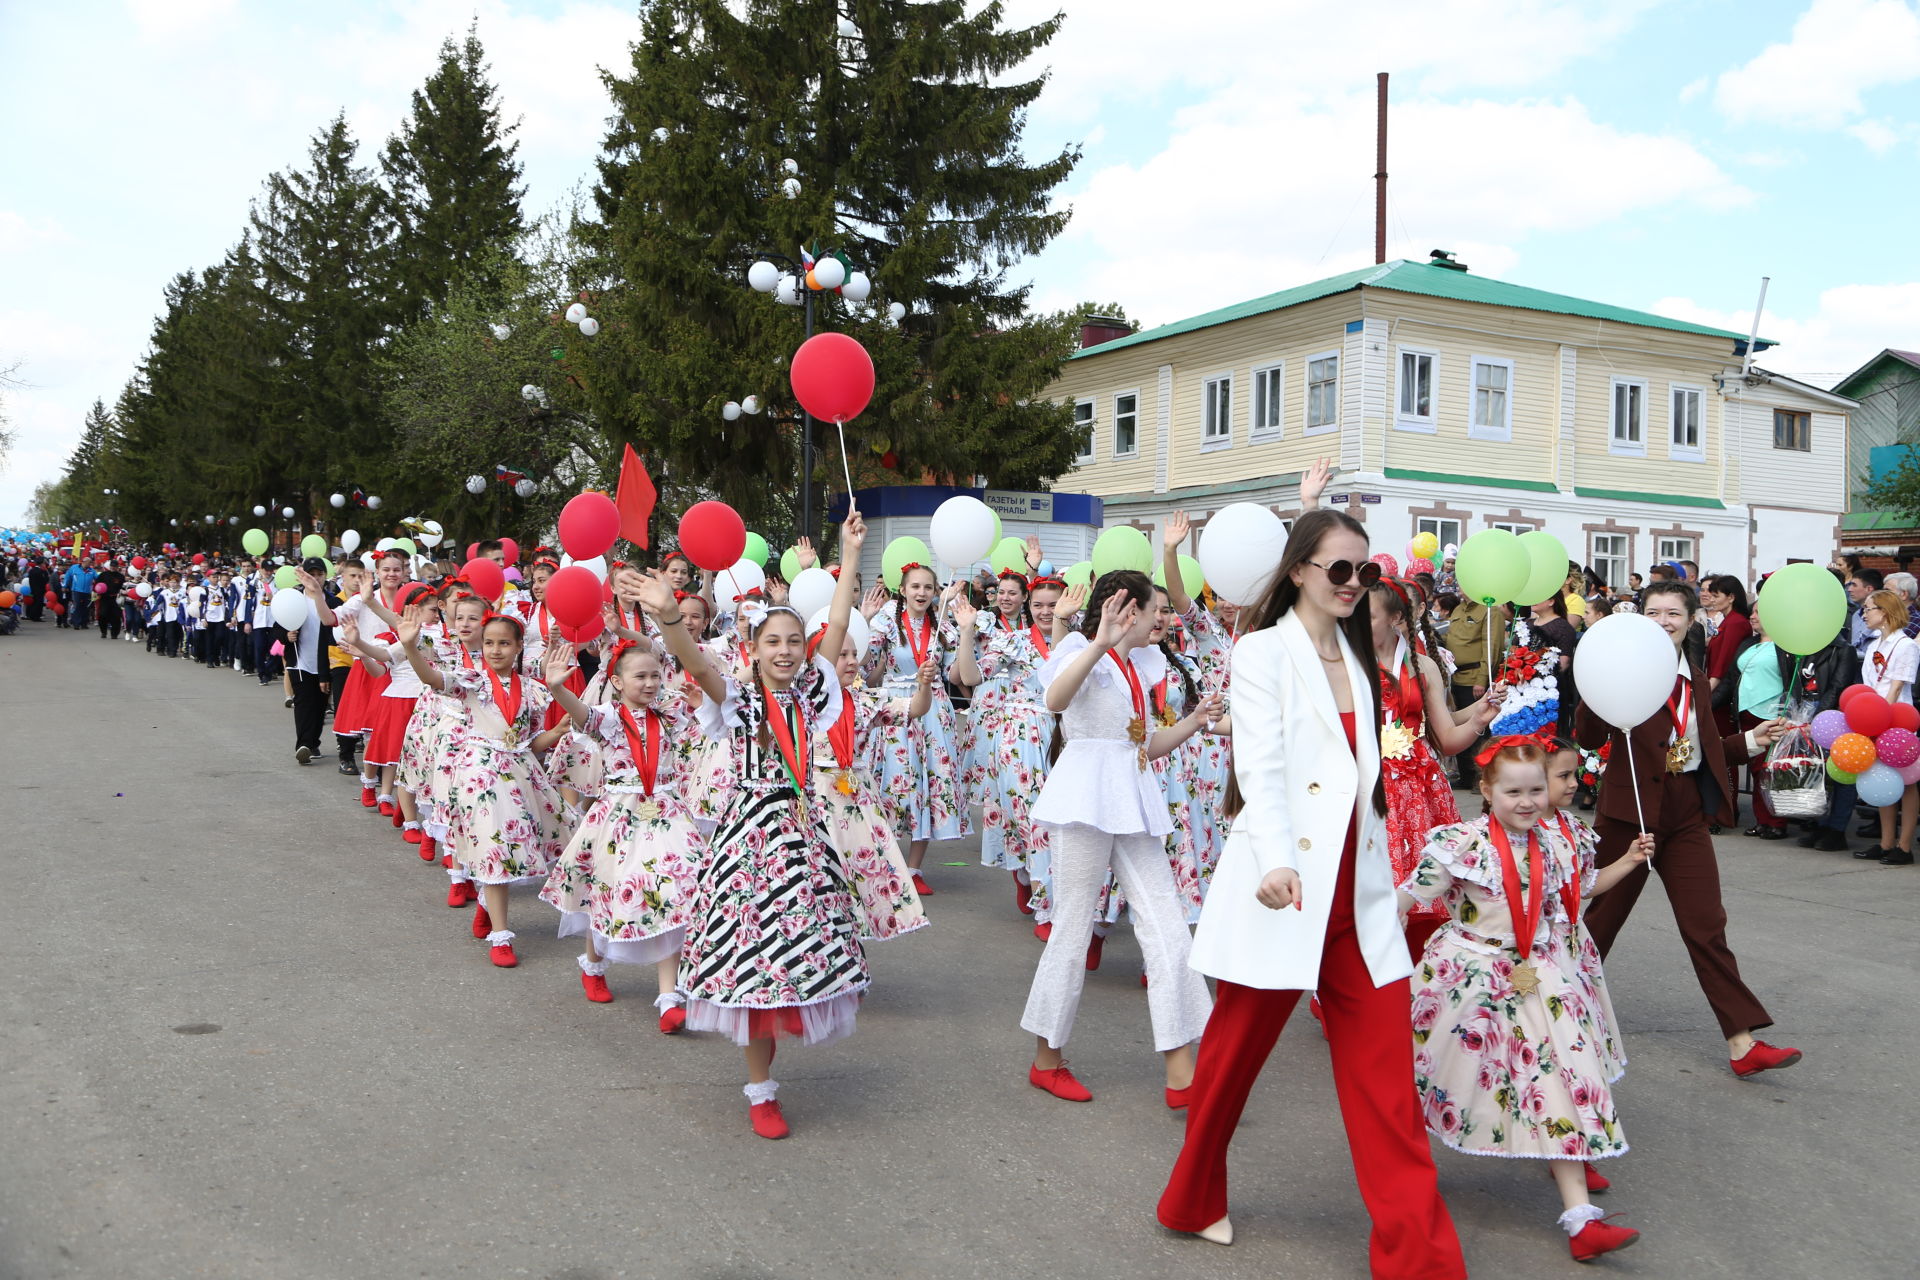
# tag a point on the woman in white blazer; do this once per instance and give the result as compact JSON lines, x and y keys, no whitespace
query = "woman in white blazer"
{"x":1303,"y":898}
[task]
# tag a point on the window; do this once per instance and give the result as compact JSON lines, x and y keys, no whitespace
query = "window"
{"x":1792,"y":430}
{"x":1609,"y":559}
{"x":1628,"y":433}
{"x":1447,"y":531}
{"x":1323,"y":393}
{"x":1216,"y":431}
{"x":1083,"y":430}
{"x":1683,"y":424}
{"x":1492,"y":399}
{"x":1269,"y":383}
{"x":1126,"y":424}
{"x":1415,"y":391}
{"x":1513,"y":526}
{"x":1673,"y":549}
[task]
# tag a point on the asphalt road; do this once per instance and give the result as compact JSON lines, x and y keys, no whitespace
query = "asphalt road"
{"x":241,"y":1036}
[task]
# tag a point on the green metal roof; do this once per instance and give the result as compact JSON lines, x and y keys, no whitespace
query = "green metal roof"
{"x":1662,"y":499}
{"x":1432,"y":281}
{"x":1485,"y":482}
{"x":1873,"y":521}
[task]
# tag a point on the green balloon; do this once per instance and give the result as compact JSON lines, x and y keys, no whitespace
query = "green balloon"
{"x":255,"y":542}
{"x":757,"y":550}
{"x":1121,"y":547}
{"x":1493,"y":567}
{"x":998,"y":532}
{"x":1192,"y":576}
{"x":312,"y":545}
{"x":407,"y":545}
{"x":789,"y":563}
{"x":1078,"y":575}
{"x":1547,"y":568}
{"x":284,"y":576}
{"x":1803,"y":608}
{"x":1008,"y":553}
{"x":902,"y":551}
{"x":326,"y":569}
{"x":1834,"y":771}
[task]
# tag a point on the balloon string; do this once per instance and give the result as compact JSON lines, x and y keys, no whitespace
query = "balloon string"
{"x":841,"y":426}
{"x":1633,"y":774}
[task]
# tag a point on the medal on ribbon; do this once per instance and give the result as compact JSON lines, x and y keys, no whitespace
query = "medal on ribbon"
{"x":645,"y":746}
{"x":1525,"y":913}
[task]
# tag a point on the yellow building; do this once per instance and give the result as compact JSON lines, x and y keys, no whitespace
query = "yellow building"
{"x":1453,"y":403}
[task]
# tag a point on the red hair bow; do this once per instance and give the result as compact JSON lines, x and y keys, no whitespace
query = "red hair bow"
{"x":1542,"y":740}
{"x":1056,"y":583}
{"x":1017,"y":576}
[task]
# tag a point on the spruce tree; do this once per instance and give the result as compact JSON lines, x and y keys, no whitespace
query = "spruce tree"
{"x":905,"y":146}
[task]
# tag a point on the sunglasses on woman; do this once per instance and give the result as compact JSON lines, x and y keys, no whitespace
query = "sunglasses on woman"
{"x":1340,"y":572}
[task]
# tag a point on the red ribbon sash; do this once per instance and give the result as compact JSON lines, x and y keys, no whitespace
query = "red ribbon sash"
{"x":1528,"y":920}
{"x":644,"y":745}
{"x":1160,"y":695}
{"x":787,"y":737}
{"x":509,"y":706}
{"x":1040,"y":642}
{"x":1680,"y":706}
{"x":1134,"y":690}
{"x":1570,"y":891}
{"x":840,"y":737}
{"x":923,"y":645}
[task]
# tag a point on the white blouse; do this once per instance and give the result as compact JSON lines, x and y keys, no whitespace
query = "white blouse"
{"x":1098,"y":780}
{"x":1889,"y":660}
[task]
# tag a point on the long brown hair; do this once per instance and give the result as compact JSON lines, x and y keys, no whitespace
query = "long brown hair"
{"x":1131,"y":583}
{"x":1303,"y":543}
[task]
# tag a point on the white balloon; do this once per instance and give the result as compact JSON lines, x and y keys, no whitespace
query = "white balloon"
{"x":290,"y":609}
{"x":597,"y":566}
{"x":373,"y":503}
{"x":476,"y":485}
{"x":830,"y":272}
{"x":897,"y":311}
{"x":501,"y":332}
{"x":730,"y":410}
{"x":383,"y":544}
{"x":350,"y":540}
{"x":259,"y":511}
{"x":143,"y":589}
{"x":764,"y":276}
{"x":738,"y":581}
{"x":857,"y":288}
{"x":811,"y":591}
{"x":857,"y":630}
{"x":750,"y":405}
{"x":962,"y":530}
{"x":367,"y":559}
{"x":589,"y":326}
{"x":526,"y":488}
{"x":790,"y":166}
{"x":792,"y":188}
{"x":431,"y":533}
{"x":1239,"y":550}
{"x":787,"y":291}
{"x":576,"y":313}
{"x":1624,"y":668}
{"x":337,"y":501}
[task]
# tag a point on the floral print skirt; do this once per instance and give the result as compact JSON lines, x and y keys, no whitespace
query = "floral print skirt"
{"x":870,"y":860}
{"x":1418,"y":800}
{"x":505,"y":823}
{"x":920,"y":775}
{"x":628,"y":874}
{"x":1011,"y":743}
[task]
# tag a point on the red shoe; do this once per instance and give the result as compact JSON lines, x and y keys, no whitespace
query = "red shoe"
{"x":1764,"y":1057}
{"x":386,"y":808}
{"x":1093,"y":952}
{"x":459,"y":894}
{"x":1059,"y":1082}
{"x":502,"y":955}
{"x":429,"y":849}
{"x":482,"y":922}
{"x":413,"y":836}
{"x":446,"y":860}
{"x":767,"y":1120}
{"x":1143,"y":979}
{"x":1043,"y":931}
{"x":399,"y":818}
{"x":1597,"y":1181}
{"x":920,"y":886}
{"x":1021,"y":893}
{"x":673,"y":1020}
{"x":1598,"y":1237}
{"x":367,"y":797}
{"x":595,"y":985}
{"x":1177,"y":1098}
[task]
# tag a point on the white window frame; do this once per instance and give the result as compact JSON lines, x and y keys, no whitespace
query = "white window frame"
{"x":1697,"y":451}
{"x":1223,"y":439}
{"x":1514,"y":526}
{"x":1437,"y":526}
{"x":1309,"y":427}
{"x":1088,"y":430}
{"x":1268,"y":377}
{"x":1135,"y":415}
{"x":1604,"y":564}
{"x":1429,"y":422}
{"x":1626,"y":448}
{"x":1669,"y":547}
{"x":1502,"y":430}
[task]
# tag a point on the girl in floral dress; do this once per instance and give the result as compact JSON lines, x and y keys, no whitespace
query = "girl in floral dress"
{"x":392,"y":711}
{"x":506,"y":825}
{"x":1012,"y":734}
{"x":1415,"y":718}
{"x":858,"y":824}
{"x":440,"y":732}
{"x":353,"y":717}
{"x":1206,"y":759}
{"x":1508,"y":1043}
{"x":773,"y":930}
{"x":625,"y":878}
{"x":919,"y":762}
{"x":413,"y":776}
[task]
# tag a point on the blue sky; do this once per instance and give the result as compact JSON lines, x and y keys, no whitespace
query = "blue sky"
{"x":1656,"y":155}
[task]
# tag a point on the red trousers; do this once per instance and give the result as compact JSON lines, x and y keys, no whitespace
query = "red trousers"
{"x":1370,"y":1032}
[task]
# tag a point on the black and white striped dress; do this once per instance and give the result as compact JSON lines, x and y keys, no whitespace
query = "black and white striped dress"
{"x":772,"y":946}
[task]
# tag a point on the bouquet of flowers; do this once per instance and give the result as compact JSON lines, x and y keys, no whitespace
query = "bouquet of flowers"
{"x":1593,"y":764}
{"x":1795,"y":775}
{"x":1533,"y":694}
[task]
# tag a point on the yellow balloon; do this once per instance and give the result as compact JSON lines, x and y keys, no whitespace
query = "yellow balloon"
{"x":1424,"y":546}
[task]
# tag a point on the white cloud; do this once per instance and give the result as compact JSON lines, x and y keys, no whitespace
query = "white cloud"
{"x":1839,"y":49}
{"x":1878,"y":136}
{"x":19,"y":233}
{"x":1694,"y":88}
{"x":1849,"y":326}
{"x":173,"y":17}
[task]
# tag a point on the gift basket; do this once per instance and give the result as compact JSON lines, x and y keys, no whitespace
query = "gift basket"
{"x":1795,"y":774}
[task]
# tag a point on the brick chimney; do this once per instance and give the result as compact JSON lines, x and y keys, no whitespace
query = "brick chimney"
{"x":1095,"y":330}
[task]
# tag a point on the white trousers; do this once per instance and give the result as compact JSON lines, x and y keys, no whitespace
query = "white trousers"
{"x":1177,"y":997}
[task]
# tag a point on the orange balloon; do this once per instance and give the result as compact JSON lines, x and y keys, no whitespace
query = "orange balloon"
{"x":813,"y":282}
{"x":1853,"y":752}
{"x":6,"y":599}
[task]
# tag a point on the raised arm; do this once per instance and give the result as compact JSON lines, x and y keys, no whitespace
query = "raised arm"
{"x":555,"y":669}
{"x":1116,"y":617}
{"x":1454,"y":732}
{"x":1172,"y":538}
{"x":964,"y":669}
{"x":408,"y":629}
{"x":655,"y":594}
{"x":853,"y":535}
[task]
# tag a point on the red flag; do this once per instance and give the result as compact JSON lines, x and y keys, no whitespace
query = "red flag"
{"x":635,"y":498}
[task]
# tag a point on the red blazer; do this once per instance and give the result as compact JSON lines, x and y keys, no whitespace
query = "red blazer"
{"x":1650,"y":755}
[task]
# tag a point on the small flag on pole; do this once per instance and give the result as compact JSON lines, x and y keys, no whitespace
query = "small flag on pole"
{"x":635,"y":498}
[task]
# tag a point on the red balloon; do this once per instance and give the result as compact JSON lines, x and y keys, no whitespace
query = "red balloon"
{"x":832,"y":377}
{"x":582,"y":634}
{"x":511,"y":549}
{"x":713,"y":535}
{"x":198,"y":558}
{"x":473,"y":551}
{"x":138,"y":562}
{"x":1851,"y":692}
{"x":606,"y":590}
{"x":573,"y":596}
{"x":588,"y":525}
{"x":485,"y":577}
{"x":59,"y":610}
{"x":1870,"y":715}
{"x":52,"y":597}
{"x":1906,"y":716}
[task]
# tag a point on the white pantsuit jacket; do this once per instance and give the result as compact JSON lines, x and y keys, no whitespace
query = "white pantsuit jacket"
{"x":1300,"y":788}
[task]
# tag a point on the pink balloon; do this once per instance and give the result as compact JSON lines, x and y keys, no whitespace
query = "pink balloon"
{"x":1898,"y":747}
{"x":1417,"y":565}
{"x":1388,"y":565}
{"x":1911,"y":774}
